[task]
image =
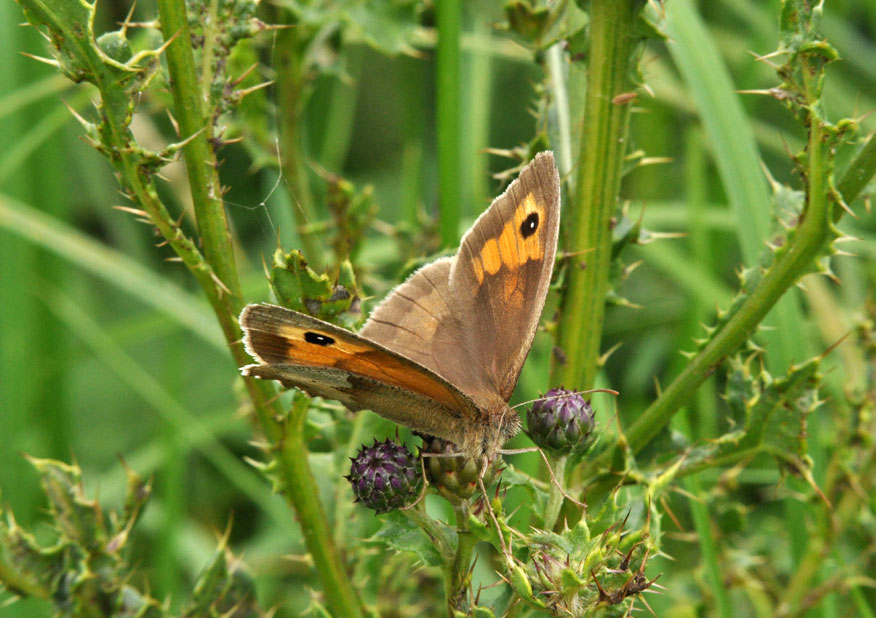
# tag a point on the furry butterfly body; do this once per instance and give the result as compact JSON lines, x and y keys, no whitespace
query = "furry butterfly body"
{"x":443,"y":352}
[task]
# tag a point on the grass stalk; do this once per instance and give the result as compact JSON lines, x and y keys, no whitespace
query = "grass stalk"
{"x":293,"y":89}
{"x":413,"y":121}
{"x":448,"y":15}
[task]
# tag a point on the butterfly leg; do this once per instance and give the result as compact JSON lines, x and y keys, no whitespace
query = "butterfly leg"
{"x":506,"y":552}
{"x":550,"y":470}
{"x":422,"y":491}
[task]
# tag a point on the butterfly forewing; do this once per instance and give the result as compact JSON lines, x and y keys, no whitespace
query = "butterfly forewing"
{"x":282,"y":338}
{"x":417,"y":320}
{"x":501,"y":274}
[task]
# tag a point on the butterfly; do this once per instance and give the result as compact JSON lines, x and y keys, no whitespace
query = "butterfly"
{"x":443,"y":352}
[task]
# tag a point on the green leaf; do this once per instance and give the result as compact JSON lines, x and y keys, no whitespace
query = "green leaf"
{"x":401,"y":534}
{"x":223,"y":588}
{"x":80,"y":250}
{"x":26,"y":569}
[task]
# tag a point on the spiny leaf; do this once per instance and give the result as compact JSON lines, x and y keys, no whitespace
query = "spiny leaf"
{"x":78,"y":519}
{"x":775,"y":412}
{"x":223,"y":588}
{"x":299,"y":287}
{"x":401,"y":534}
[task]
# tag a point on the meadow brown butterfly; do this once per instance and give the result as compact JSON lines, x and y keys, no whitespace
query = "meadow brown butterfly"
{"x":442,"y":353}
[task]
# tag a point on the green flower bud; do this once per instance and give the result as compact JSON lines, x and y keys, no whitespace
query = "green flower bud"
{"x":455,"y":478}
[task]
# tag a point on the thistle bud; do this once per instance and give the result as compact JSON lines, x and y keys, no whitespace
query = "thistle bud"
{"x":385,"y":476}
{"x":455,"y":478}
{"x":561,"y":422}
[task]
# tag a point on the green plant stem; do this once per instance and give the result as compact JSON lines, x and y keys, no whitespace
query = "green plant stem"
{"x":448,"y":15}
{"x":555,"y":497}
{"x":458,"y":572}
{"x":302,"y":490}
{"x":790,"y":263}
{"x":613,"y":47}
{"x":220,"y":281}
{"x":434,"y":530}
{"x":190,"y":111}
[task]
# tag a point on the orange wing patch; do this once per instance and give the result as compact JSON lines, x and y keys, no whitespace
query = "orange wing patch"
{"x":311,"y":347}
{"x":514,"y":247}
{"x":491,"y":258}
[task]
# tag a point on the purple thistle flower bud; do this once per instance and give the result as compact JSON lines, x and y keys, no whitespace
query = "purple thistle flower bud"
{"x":561,"y":422}
{"x":385,"y":476}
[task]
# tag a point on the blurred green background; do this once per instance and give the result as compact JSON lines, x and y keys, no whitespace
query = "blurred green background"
{"x":107,"y":351}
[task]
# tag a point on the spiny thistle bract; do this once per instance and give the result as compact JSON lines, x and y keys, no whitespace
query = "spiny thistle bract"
{"x":385,"y":476}
{"x":561,"y":422}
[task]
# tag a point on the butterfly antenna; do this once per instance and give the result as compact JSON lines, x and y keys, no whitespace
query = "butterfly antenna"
{"x":580,"y":505}
{"x":564,"y":395}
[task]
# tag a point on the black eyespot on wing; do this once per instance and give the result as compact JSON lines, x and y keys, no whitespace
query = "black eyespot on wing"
{"x":318,"y":339}
{"x":529,"y":225}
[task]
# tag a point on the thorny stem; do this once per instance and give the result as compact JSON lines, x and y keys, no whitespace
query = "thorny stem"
{"x":190,"y":111}
{"x":613,"y":49}
{"x":301,"y":489}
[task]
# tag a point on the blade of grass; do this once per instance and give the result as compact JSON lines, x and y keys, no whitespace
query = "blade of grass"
{"x":112,"y":266}
{"x":703,"y":423}
{"x":341,"y":111}
{"x":31,"y":92}
{"x":675,"y":217}
{"x":476,"y":121}
{"x":168,"y":408}
{"x":448,"y":15}
{"x":738,"y":162}
{"x":33,"y":401}
{"x":49,"y":124}
{"x":413,"y":130}
{"x":706,"y":77}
